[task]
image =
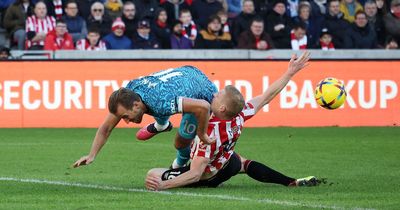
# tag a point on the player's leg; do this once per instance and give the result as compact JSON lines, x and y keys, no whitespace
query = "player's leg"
{"x":183,"y":139}
{"x":228,"y":171}
{"x":161,"y":125}
{"x":263,"y":173}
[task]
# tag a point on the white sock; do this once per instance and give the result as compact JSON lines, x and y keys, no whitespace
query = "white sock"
{"x":160,"y":127}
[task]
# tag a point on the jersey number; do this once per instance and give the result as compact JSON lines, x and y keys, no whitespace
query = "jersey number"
{"x":166,"y":74}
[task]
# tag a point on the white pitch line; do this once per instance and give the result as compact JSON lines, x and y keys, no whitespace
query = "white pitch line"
{"x":224,"y":197}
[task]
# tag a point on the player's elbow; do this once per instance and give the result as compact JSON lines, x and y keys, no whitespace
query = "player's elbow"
{"x":196,"y":175}
{"x":204,"y":107}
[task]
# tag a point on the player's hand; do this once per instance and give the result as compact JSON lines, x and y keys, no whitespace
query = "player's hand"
{"x":206,"y":139}
{"x":153,"y":183}
{"x":296,"y":64}
{"x":85,"y":160}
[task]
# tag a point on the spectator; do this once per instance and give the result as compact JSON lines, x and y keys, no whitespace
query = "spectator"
{"x":319,"y":8}
{"x":224,"y":4}
{"x":55,"y":8}
{"x":146,"y":9}
{"x":203,"y":9}
{"x":84,"y":7}
{"x":213,"y":37}
{"x":255,"y":37}
{"x":360,"y":35}
{"x":4,"y":4}
{"x":313,"y":25}
{"x":113,"y":8}
{"x":262,"y":8}
{"x":59,"y":39}
{"x":173,"y":8}
{"x":98,"y":19}
{"x":335,"y":23}
{"x":161,"y":28}
{"x":349,"y":8}
{"x":116,"y":40}
{"x":144,"y":39}
{"x":190,"y":28}
{"x":178,"y":41}
{"x":382,"y":7}
{"x":14,"y":21}
{"x":325,"y":41}
{"x":243,"y":20}
{"x":92,"y":41}
{"x":4,"y":53}
{"x":391,"y":44}
{"x":375,"y":21}
{"x":224,"y":21}
{"x":298,"y":37}
{"x":129,"y":19}
{"x":234,"y":8}
{"x":76,"y":25}
{"x":37,"y":27}
{"x":279,"y":25}
{"x":392,"y":20}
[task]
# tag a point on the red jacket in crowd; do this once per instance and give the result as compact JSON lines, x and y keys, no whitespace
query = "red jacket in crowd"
{"x":52,"y":43}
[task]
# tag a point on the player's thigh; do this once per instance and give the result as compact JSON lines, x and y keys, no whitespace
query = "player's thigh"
{"x":229,"y":170}
{"x":188,"y":126}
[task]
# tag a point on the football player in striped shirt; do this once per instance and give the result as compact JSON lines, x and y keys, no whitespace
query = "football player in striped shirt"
{"x":216,"y":163}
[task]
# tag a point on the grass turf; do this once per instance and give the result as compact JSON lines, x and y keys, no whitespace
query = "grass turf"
{"x":361,"y":165}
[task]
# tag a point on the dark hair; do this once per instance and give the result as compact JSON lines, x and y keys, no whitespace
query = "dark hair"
{"x":123,"y":96}
{"x":212,"y":18}
{"x":70,"y":2}
{"x":301,"y":25}
{"x":5,"y":49}
{"x":257,"y":19}
{"x":158,"y":11}
{"x":360,"y":12}
{"x":19,"y":2}
{"x":94,"y":30}
{"x":129,"y":3}
{"x":60,"y":21}
{"x":330,"y":1}
{"x":235,"y":101}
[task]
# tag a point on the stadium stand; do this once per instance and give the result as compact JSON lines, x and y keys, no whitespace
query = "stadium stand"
{"x":279,"y":16}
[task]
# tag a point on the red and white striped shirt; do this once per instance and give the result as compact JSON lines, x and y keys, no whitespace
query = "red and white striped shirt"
{"x":226,"y":132}
{"x":84,"y":44}
{"x":39,"y":26}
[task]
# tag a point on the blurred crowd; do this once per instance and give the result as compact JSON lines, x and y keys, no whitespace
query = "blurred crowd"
{"x":199,"y":24}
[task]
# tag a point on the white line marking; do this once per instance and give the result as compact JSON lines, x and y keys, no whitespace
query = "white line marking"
{"x":216,"y":196}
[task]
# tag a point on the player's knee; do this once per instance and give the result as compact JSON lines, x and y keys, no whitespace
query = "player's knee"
{"x":155,"y":172}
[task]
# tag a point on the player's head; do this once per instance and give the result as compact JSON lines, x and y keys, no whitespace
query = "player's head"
{"x":127,"y":105}
{"x":227,"y":103}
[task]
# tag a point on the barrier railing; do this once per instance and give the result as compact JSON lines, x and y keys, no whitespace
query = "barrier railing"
{"x":205,"y":55}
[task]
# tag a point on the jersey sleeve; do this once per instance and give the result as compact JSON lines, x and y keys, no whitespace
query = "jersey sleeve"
{"x":248,"y":111}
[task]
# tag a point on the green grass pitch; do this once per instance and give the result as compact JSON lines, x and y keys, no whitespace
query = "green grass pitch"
{"x":362,"y":166}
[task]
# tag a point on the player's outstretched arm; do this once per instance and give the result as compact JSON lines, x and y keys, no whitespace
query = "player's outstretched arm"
{"x":197,"y":166}
{"x":295,"y":65}
{"x":100,"y":139}
{"x":201,"y":110}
